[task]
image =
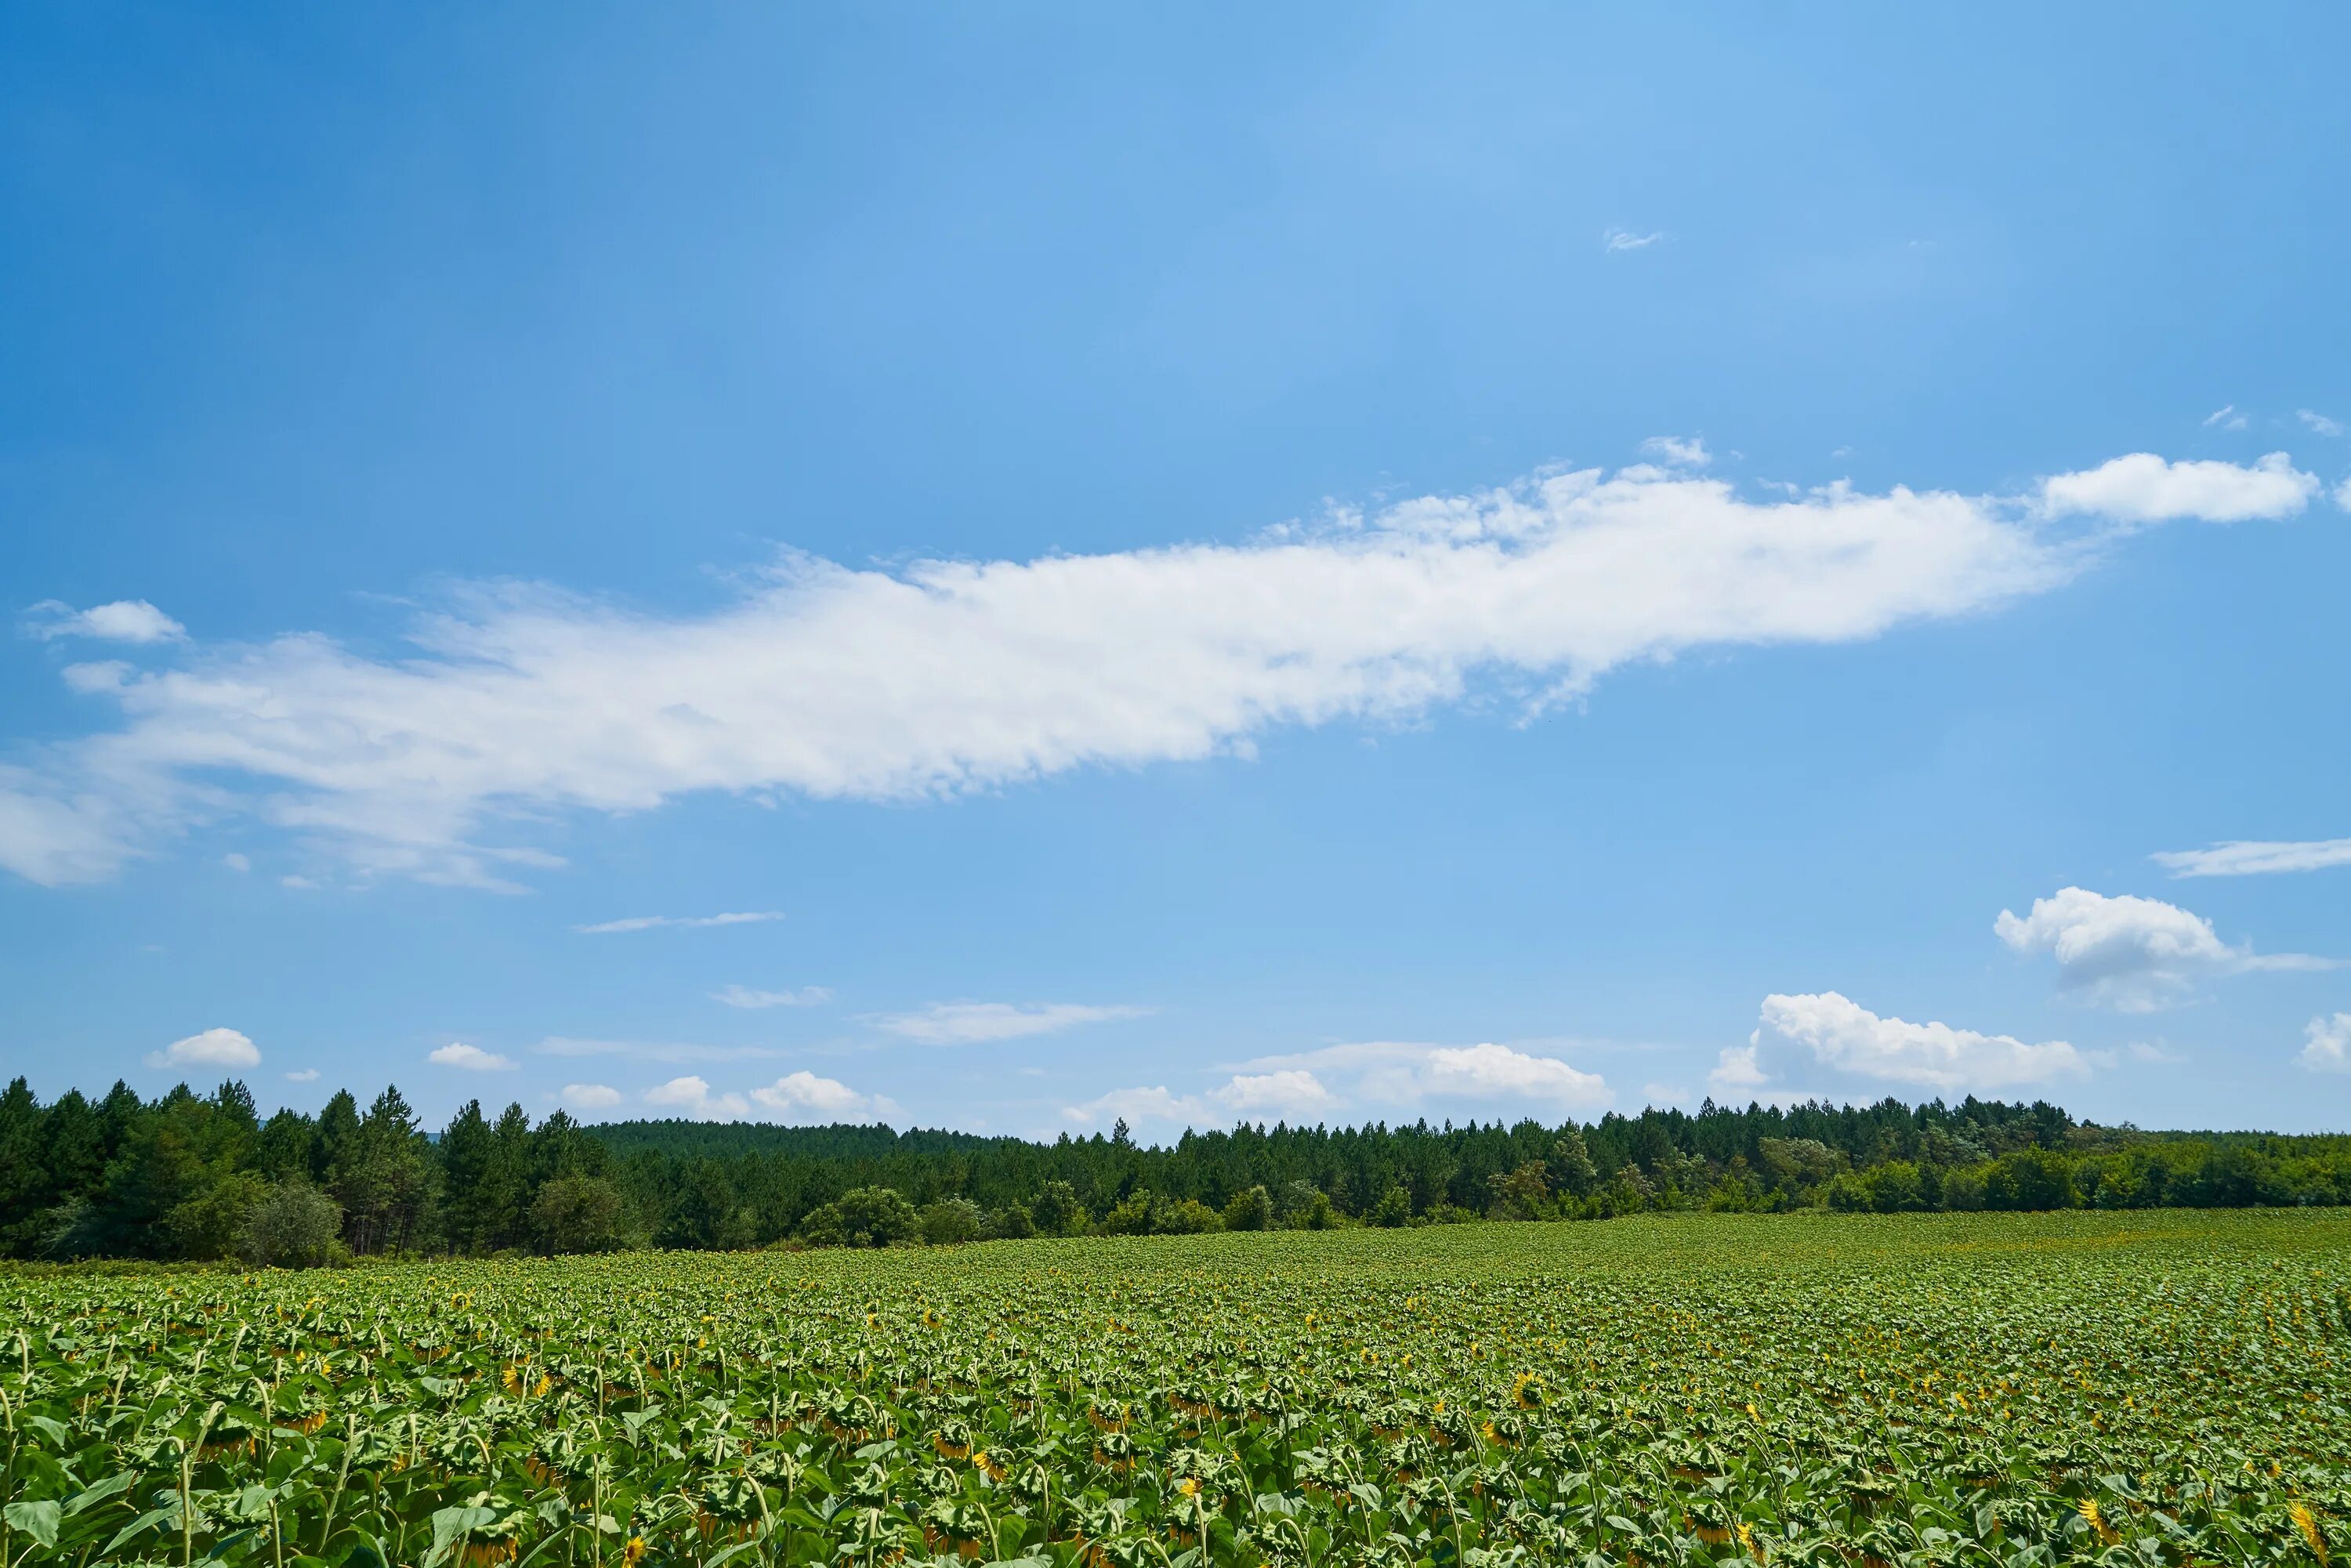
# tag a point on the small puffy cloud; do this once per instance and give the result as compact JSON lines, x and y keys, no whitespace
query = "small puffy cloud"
{"x":236,"y":862}
{"x":470,"y":1058}
{"x":1492,"y":1071}
{"x":2225,"y":417}
{"x":745,"y":997}
{"x":1737,"y":1071}
{"x":1678,"y":451}
{"x":303,"y":1075}
{"x":1843,"y":1035}
{"x":213,"y":1047}
{"x":677,"y":922}
{"x":2144,"y":489}
{"x":2256,"y":857}
{"x":1615,"y":241}
{"x":124,"y":621}
{"x":1152,"y":1104}
{"x":803,"y":1096}
{"x":2151,"y":1053}
{"x":2136,"y":955}
{"x":981,"y":1023}
{"x":690,"y":1097}
{"x":2326,"y":1044}
{"x":2330,"y":428}
{"x":589,"y":1096}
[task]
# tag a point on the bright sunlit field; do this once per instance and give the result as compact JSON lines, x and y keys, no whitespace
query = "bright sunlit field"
{"x":2166,"y":1388}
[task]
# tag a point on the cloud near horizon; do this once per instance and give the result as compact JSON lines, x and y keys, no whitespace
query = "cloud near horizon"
{"x":2256,"y":857}
{"x":833,"y":682}
{"x":1845,"y":1036}
{"x":2134,"y":955}
{"x":1357,"y":1077}
{"x":982,"y":1023}
{"x":210,"y":1048}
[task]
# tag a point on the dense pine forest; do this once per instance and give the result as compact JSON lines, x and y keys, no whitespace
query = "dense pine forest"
{"x":201,"y":1176}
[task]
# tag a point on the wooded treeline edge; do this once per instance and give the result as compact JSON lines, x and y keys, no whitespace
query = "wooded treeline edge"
{"x":193,"y":1176}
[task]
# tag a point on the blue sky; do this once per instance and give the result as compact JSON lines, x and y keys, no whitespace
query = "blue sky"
{"x":1353,"y":563}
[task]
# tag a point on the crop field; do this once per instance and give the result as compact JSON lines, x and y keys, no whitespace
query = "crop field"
{"x":2166,"y":1387}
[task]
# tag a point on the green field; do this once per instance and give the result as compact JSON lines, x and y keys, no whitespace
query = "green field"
{"x":2164,"y":1387}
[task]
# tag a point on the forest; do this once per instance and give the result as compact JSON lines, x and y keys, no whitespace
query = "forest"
{"x":189,"y":1177}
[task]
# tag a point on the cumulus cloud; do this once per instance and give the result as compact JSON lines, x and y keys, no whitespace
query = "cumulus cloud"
{"x":470,"y":1058}
{"x":2144,"y":489}
{"x":803,"y":1096}
{"x":1844,"y":1035}
{"x":690,"y":1097}
{"x":2137,"y":955}
{"x":124,"y":621}
{"x":589,"y":1096}
{"x":1285,"y":1091}
{"x":2256,"y":857}
{"x":745,"y":997}
{"x":677,"y":922}
{"x":979,"y":1023}
{"x":303,"y":1075}
{"x":519,"y":703}
{"x":2326,"y":1044}
{"x":213,"y":1047}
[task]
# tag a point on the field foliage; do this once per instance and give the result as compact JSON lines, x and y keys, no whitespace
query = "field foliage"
{"x":2158,"y":1388}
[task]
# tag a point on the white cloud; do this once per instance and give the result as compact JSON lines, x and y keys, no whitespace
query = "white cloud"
{"x":677,"y":922}
{"x":1737,"y":1071}
{"x":520,"y":703}
{"x":2330,"y":428}
{"x":1156,"y":1104}
{"x":2256,"y":857}
{"x":2137,"y":955}
{"x":1400,"y":1073}
{"x":1616,"y":240}
{"x":471,"y":1058}
{"x":2143,"y":1051}
{"x":124,"y":621}
{"x":213,"y":1047}
{"x":1678,"y":451}
{"x":977,"y":1023}
{"x":2226,"y":417}
{"x":804,"y":1095}
{"x":690,"y":1097}
{"x":305,"y":1075}
{"x":1286,"y":1092}
{"x":236,"y":862}
{"x":2144,"y":489}
{"x":2326,"y":1044}
{"x":744,"y":996}
{"x":2343,"y":495}
{"x":1844,"y":1035}
{"x":299,"y":883}
{"x":589,"y":1096}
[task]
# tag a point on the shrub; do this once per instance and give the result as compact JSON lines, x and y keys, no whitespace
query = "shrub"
{"x":1393,"y":1208}
{"x":953,"y":1221}
{"x":1251,"y":1210}
{"x":292,"y":1225}
{"x":578,"y":1214}
{"x":863,"y":1217}
{"x":1012,"y":1223}
{"x":1189,"y":1217}
{"x":1130,"y":1218}
{"x":1058,"y":1211}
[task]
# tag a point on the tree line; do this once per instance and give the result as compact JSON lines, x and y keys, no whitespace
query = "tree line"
{"x":192,"y":1176}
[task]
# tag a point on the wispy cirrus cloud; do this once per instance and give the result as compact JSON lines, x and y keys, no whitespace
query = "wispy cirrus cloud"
{"x":523,"y":702}
{"x":1617,"y":241}
{"x":2256,"y":857}
{"x":978,"y":1023}
{"x":745,"y":997}
{"x":678,"y":1052}
{"x":677,"y":922}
